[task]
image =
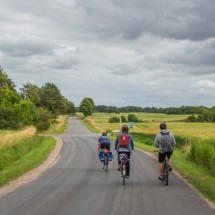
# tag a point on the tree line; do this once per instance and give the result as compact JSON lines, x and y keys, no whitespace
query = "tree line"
{"x":32,"y":105}
{"x":167,"y":110}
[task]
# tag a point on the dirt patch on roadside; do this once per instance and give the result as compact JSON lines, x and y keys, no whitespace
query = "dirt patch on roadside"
{"x":33,"y":174}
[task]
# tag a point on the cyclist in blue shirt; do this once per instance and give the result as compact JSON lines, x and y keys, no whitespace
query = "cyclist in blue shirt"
{"x":104,"y":142}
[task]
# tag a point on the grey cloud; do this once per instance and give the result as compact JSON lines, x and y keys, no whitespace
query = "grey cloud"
{"x":192,"y":20}
{"x":191,"y":57}
{"x":123,"y":70}
{"x":24,"y":45}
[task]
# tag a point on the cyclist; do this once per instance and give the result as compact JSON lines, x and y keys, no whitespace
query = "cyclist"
{"x":104,"y":142}
{"x":124,"y":148}
{"x":165,"y":141}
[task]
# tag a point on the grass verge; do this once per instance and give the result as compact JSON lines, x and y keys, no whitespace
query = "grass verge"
{"x":59,"y":126}
{"x":89,"y":126}
{"x":22,"y":156}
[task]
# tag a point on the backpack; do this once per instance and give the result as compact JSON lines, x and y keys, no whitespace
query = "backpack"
{"x":123,"y":140}
{"x":166,"y":142}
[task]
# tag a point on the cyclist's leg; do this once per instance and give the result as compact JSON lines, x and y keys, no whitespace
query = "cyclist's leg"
{"x":118,"y":161}
{"x":161,"y":158}
{"x":128,"y":164}
{"x":168,"y":155}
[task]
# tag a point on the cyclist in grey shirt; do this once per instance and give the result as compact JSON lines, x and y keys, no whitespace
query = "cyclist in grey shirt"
{"x":165,"y":141}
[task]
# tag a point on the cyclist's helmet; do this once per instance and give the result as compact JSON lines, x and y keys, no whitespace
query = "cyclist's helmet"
{"x":163,"y":126}
{"x":104,"y":133}
{"x":125,"y":129}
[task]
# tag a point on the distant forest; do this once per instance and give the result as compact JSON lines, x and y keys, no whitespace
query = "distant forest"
{"x":168,"y":110}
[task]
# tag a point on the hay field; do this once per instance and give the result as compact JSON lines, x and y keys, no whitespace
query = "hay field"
{"x":151,"y":123}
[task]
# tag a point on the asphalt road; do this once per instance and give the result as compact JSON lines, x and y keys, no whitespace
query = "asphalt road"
{"x":77,"y":185}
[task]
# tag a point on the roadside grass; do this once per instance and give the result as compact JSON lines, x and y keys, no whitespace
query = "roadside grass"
{"x":3,"y":132}
{"x":200,"y":177}
{"x":22,"y":156}
{"x":58,"y":126}
{"x":12,"y":136}
{"x":89,"y":125}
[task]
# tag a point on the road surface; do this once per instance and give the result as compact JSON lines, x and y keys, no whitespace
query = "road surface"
{"x":77,"y":185}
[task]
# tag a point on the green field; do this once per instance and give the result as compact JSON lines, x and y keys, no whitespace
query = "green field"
{"x":152,"y":121}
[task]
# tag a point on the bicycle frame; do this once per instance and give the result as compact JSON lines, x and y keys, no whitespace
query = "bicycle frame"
{"x":165,"y":173}
{"x":123,"y":160}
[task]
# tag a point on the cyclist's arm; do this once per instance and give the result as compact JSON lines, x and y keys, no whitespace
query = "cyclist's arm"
{"x":173,"y":140}
{"x":132,"y":143}
{"x":116,"y":143}
{"x":99,"y":147}
{"x":156,"y":143}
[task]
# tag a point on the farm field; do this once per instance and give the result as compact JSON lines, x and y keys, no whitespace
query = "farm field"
{"x":151,"y":122}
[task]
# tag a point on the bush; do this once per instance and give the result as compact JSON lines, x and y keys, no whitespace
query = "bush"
{"x":132,"y":118}
{"x":43,"y":126}
{"x":114,"y":119}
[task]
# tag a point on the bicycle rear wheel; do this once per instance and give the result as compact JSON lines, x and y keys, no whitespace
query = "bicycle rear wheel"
{"x":166,"y":180}
{"x":123,"y":174}
{"x":106,"y":163}
{"x":166,"y":176}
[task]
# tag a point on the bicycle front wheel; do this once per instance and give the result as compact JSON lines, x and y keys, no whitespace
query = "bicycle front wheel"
{"x":166,"y":180}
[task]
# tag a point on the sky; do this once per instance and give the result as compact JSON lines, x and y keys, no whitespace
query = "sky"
{"x":119,"y":53}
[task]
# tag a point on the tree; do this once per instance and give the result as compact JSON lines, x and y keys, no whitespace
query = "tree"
{"x":51,"y":98}
{"x":31,"y":92}
{"x":87,"y":106}
{"x":8,"y":93}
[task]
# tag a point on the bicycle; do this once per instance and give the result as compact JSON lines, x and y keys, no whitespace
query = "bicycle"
{"x":106,"y":159}
{"x":165,"y":171}
{"x":165,"y":176}
{"x":123,"y":163}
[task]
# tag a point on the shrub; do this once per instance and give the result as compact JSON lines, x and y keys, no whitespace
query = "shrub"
{"x":114,"y":119}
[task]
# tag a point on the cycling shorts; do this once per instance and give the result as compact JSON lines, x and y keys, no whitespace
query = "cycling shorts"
{"x":161,"y":156}
{"x":105,"y":145}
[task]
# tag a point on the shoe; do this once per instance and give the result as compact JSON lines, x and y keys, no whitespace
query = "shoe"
{"x":170,"y":168}
{"x":127,"y":176}
{"x":160,"y":178}
{"x":118,"y":169}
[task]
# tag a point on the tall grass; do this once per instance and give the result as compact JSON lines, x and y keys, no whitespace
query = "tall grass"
{"x":203,"y":153}
{"x":18,"y":135}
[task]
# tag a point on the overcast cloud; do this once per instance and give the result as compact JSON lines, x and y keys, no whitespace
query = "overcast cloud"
{"x":120,"y":53}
